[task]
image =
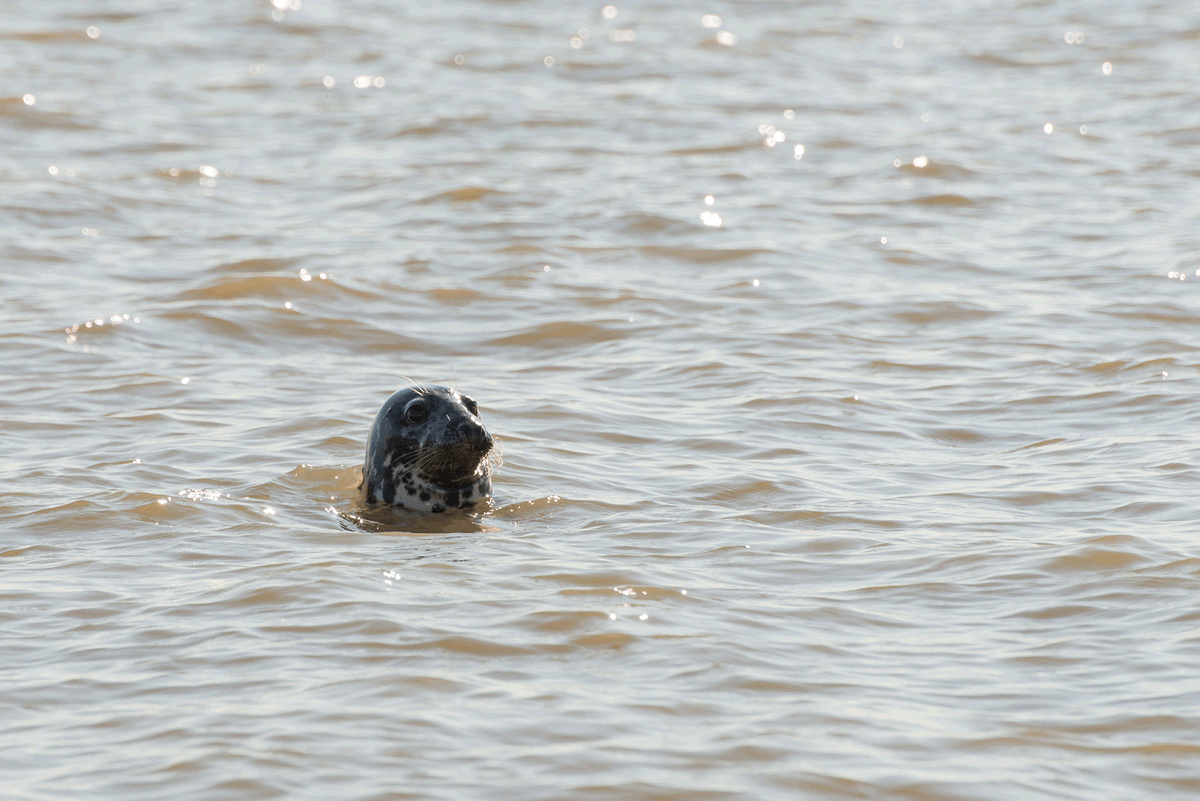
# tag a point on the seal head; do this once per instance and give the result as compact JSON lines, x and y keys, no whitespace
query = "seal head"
{"x":428,"y":451}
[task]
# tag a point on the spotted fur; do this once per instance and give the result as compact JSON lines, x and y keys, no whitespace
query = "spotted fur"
{"x":428,"y":451}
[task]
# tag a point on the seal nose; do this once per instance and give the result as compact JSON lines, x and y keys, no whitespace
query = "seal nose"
{"x":472,"y":431}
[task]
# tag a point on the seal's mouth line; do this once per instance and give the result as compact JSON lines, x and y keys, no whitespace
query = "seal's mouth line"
{"x":459,"y":481}
{"x":448,"y":488}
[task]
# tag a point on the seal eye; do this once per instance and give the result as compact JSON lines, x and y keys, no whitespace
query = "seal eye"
{"x":471,"y":405}
{"x":415,"y":414}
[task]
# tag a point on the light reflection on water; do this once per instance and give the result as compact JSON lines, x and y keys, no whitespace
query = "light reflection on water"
{"x":871,"y":475}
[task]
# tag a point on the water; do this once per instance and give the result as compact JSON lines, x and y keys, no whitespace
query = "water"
{"x":878,"y":484}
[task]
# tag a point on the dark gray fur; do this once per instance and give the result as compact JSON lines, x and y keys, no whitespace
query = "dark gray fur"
{"x":428,"y":451}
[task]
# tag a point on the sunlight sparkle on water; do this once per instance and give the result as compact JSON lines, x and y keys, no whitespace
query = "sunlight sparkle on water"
{"x":788,"y":114}
{"x":726,"y":38}
{"x":1048,"y":128}
{"x":711,"y":219}
{"x":29,"y":100}
{"x":609,"y":12}
{"x":920,"y":162}
{"x":329,"y":81}
{"x":1106,"y":68}
{"x":773,"y":135}
{"x":93,"y":32}
{"x":709,"y":199}
{"x":798,"y":152}
{"x":1083,"y":129}
{"x":898,"y":43}
{"x":710,"y":21}
{"x":200,"y":495}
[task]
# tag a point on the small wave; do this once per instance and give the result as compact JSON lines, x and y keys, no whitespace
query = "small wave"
{"x":942,"y":200}
{"x":932,"y":313}
{"x":716,"y":150}
{"x":464,"y":194}
{"x":17,"y":112}
{"x":704,"y":255}
{"x":44,"y":37}
{"x":554,"y":335}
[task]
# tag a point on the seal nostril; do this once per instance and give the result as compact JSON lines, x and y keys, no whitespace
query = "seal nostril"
{"x":473,"y":432}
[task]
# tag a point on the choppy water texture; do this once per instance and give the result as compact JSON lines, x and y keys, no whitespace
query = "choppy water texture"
{"x":875,"y":477}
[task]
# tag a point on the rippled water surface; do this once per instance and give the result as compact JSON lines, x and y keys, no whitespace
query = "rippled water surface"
{"x":845,"y":359}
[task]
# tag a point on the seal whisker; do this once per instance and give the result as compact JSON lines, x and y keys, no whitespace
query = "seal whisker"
{"x":419,"y":459}
{"x":495,"y":457}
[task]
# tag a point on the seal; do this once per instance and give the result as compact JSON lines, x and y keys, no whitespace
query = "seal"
{"x":428,"y":451}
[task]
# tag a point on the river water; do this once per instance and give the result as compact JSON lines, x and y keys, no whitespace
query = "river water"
{"x":844,"y":356}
